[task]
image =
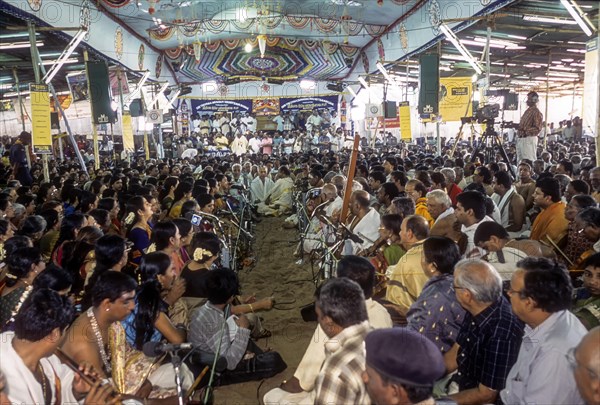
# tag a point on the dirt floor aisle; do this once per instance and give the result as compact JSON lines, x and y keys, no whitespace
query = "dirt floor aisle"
{"x":277,"y":274}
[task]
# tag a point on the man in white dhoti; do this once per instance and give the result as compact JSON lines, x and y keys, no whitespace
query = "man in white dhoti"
{"x":365,"y":225}
{"x":279,"y":200}
{"x":261,"y":186}
{"x":34,"y":375}
{"x":239,"y":145}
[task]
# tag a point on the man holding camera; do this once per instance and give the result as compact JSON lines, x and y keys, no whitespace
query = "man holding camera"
{"x":529,"y":129}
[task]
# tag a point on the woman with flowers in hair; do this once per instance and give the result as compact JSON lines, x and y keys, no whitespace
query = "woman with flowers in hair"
{"x":23,"y":266}
{"x":138,"y":212}
{"x":167,"y":238}
{"x":206,"y":248}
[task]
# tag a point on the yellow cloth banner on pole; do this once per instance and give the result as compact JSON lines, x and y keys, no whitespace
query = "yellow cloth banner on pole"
{"x":455,"y":98}
{"x":40,"y":119}
{"x":127,"y":132}
{"x":404,"y":115}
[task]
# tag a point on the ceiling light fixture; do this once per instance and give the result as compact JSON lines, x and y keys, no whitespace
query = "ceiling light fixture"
{"x":160,"y":92}
{"x":307,"y":84}
{"x":137,"y":89}
{"x":461,"y":48}
{"x":549,"y":20}
{"x":64,"y":56}
{"x":248,"y":47}
{"x":576,"y":14}
{"x":15,"y":45}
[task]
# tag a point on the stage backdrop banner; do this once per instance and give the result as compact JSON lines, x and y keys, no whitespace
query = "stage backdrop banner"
{"x":590,"y":88}
{"x":40,"y":119}
{"x":296,"y":104}
{"x":404,"y":115}
{"x":455,"y":98}
{"x":210,"y":107}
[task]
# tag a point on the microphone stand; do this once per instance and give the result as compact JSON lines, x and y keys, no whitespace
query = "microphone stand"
{"x":217,"y":354}
{"x":176,"y":362}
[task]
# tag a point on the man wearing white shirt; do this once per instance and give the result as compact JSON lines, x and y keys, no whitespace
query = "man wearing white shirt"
{"x":313,"y":122}
{"x":365,"y":225}
{"x":510,"y":203}
{"x":261,"y":186}
{"x":239,"y":146}
{"x":470,"y":212}
{"x":254,"y":143}
{"x":249,"y":122}
{"x":540,"y":295}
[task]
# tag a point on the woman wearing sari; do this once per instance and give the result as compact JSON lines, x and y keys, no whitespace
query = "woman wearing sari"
{"x":23,"y":265}
{"x":139,"y":211}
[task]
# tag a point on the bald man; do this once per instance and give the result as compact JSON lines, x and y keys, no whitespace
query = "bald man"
{"x":586,"y":365}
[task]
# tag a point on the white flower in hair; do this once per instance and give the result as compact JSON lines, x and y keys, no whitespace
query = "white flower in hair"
{"x":130,"y":217}
{"x":151,"y":248}
{"x":200,"y":253}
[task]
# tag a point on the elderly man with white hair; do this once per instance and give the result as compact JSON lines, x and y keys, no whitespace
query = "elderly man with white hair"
{"x":451,"y":187}
{"x":440,"y":208}
{"x":489,"y":338}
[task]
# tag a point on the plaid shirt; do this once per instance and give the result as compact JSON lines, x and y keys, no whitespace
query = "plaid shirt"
{"x":340,"y":380}
{"x":531,"y":122}
{"x":489,"y":345}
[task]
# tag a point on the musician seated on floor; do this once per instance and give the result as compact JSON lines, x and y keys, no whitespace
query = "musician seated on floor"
{"x":34,"y":374}
{"x":215,"y":330}
{"x":364,"y":223}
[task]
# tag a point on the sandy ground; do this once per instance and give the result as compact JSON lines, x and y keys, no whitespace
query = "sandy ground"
{"x":276,"y":273}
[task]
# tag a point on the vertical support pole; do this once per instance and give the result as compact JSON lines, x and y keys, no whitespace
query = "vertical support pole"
{"x":19,"y":98}
{"x":94,"y":126}
{"x":37,"y":63}
{"x":438,"y":137}
{"x":547,"y":99}
{"x":598,"y":96}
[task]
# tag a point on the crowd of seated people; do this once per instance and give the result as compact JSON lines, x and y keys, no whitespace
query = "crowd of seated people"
{"x":491,"y":282}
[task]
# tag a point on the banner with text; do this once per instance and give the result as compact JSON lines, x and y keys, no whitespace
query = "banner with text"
{"x":127,"y":132}
{"x":455,"y":98}
{"x":40,"y":119}
{"x":404,"y":115}
{"x":210,"y":107}
{"x":294,"y":104}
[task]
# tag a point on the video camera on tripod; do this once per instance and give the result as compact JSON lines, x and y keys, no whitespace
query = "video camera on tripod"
{"x":483,"y":115}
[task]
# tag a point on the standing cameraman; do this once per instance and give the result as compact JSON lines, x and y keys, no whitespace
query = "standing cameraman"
{"x":529,"y":129}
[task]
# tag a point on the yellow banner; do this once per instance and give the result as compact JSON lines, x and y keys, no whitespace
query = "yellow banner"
{"x":127,"y":132}
{"x":455,"y":98}
{"x":404,"y":115}
{"x":40,"y":119}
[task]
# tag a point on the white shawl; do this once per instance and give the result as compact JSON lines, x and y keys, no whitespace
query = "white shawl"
{"x":23,"y":388}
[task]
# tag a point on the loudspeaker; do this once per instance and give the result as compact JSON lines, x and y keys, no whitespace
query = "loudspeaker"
{"x":511,"y":102}
{"x":429,"y":84}
{"x":136,"y":108}
{"x":54,"y":122}
{"x":390,"y":110}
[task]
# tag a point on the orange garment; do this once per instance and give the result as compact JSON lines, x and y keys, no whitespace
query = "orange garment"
{"x":421,"y":209}
{"x":551,"y":222}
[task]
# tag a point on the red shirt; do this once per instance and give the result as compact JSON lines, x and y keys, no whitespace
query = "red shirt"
{"x":453,"y":192}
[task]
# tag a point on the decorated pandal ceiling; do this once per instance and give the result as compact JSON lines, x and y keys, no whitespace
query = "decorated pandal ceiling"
{"x":204,"y":40}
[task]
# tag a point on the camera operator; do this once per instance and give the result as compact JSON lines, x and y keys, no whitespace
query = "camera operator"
{"x":529,"y":129}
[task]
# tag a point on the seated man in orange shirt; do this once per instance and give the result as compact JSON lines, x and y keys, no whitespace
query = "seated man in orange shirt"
{"x":551,"y":222}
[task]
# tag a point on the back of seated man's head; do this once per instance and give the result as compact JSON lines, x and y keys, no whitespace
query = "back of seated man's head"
{"x":479,"y":278}
{"x":360,"y":270}
{"x":547,"y":283}
{"x":486,"y":230}
{"x":473,"y":200}
{"x":342,"y":301}
{"x":222,"y":284}
{"x":111,"y":285}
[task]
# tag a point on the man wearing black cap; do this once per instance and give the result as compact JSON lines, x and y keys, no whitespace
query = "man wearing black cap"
{"x":402,"y":367}
{"x":529,"y":129}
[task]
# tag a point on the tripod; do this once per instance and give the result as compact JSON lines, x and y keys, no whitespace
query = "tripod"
{"x":490,"y":140}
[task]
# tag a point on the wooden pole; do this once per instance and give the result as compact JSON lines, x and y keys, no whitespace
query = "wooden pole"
{"x":351,"y":170}
{"x":94,"y":126}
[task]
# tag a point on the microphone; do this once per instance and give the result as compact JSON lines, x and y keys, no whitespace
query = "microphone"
{"x":352,"y":236}
{"x":153,"y":349}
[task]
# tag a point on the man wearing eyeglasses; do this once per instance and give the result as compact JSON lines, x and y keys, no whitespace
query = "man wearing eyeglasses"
{"x":540,"y":295}
{"x":585,"y":361}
